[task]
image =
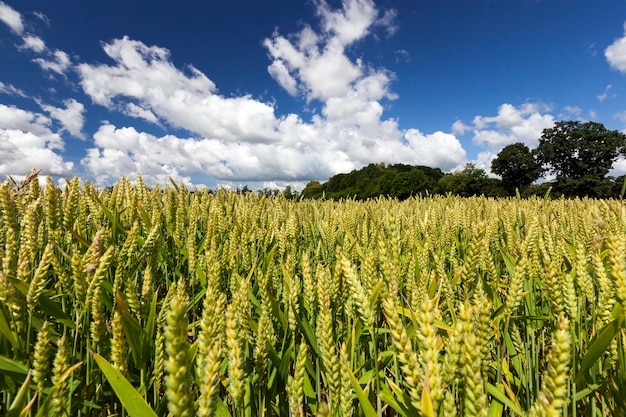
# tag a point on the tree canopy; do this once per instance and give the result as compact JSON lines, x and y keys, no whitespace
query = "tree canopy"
{"x":577,"y":150}
{"x":517,"y":166}
{"x":399,"y":181}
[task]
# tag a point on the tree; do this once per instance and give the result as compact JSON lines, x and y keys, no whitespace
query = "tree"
{"x":469,"y":182}
{"x":579,"y":151}
{"x":313,"y":190}
{"x":517,"y":166}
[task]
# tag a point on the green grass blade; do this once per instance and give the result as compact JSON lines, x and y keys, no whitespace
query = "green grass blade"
{"x":597,"y":347}
{"x":13,"y":369}
{"x":17,"y":405}
{"x":132,"y":401}
{"x":498,"y":395}
{"x":5,"y":329}
{"x":135,"y":334}
{"x":364,"y":402}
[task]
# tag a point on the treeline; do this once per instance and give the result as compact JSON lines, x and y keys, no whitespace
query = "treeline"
{"x":576,"y":157}
{"x":403,"y":181}
{"x":399,"y":181}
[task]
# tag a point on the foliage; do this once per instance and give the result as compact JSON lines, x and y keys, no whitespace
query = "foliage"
{"x":517,"y":167}
{"x":470,"y":181}
{"x":396,"y":181}
{"x":129,"y":301}
{"x":576,"y":150}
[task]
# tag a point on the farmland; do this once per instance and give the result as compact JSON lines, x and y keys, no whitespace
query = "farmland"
{"x":130,"y":301}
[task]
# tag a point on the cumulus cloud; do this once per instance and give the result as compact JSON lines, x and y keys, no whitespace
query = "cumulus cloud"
{"x":26,"y":141}
{"x":34,"y":43}
{"x":437,"y":149}
{"x":11,"y":18}
{"x":318,"y":65}
{"x":615,"y":53}
{"x":349,"y":24}
{"x":513,"y":124}
{"x":189,"y":100}
{"x":71,"y":117}
{"x":57,"y":61}
{"x":459,"y":128}
{"x":136,"y":111}
{"x":241,"y":138}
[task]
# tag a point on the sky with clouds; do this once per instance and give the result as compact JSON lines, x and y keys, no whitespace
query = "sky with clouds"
{"x":279,"y":92}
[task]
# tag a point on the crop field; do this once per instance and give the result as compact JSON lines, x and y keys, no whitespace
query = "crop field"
{"x":135,"y":302}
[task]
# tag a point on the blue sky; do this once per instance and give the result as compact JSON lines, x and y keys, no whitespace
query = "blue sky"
{"x":282,"y":92}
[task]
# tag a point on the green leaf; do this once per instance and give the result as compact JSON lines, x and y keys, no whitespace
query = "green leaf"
{"x":114,"y":218}
{"x":397,"y":398}
{"x":44,"y":409}
{"x":308,"y":333}
{"x":20,"y":399}
{"x":134,"y":332}
{"x":364,"y":402}
{"x":388,"y":397}
{"x":54,"y":309}
{"x":174,"y":184}
{"x":597,"y":347}
{"x":78,"y":237}
{"x":145,"y":218}
{"x":498,"y":395}
{"x":509,"y":263}
{"x":151,"y":320}
{"x":5,"y":329}
{"x":132,"y":401}
{"x":13,"y":369}
{"x":46,"y":304}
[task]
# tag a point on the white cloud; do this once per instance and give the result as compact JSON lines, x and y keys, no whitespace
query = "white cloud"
{"x":459,"y":128}
{"x":11,"y":18}
{"x":605,"y":94}
{"x":12,"y":117}
{"x":42,"y":17}
{"x":134,"y":110}
{"x":57,"y":61}
{"x":483,"y":161}
{"x":615,"y":53}
{"x":571,"y":112}
{"x":71,"y":117}
{"x":189,"y":101}
{"x":26,"y":142}
{"x":318,"y":61}
{"x":349,"y":24}
{"x":618,"y":168}
{"x":438,"y":149}
{"x":278,"y":70}
{"x":388,"y":20}
{"x":307,"y":154}
{"x":11,"y":90}
{"x":34,"y":43}
{"x":241,"y":139}
{"x":513,"y":124}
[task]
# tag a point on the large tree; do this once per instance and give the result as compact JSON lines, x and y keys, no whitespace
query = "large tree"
{"x":579,"y":151}
{"x":517,"y":166}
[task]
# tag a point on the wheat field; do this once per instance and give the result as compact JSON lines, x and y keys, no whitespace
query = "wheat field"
{"x":130,"y":301}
